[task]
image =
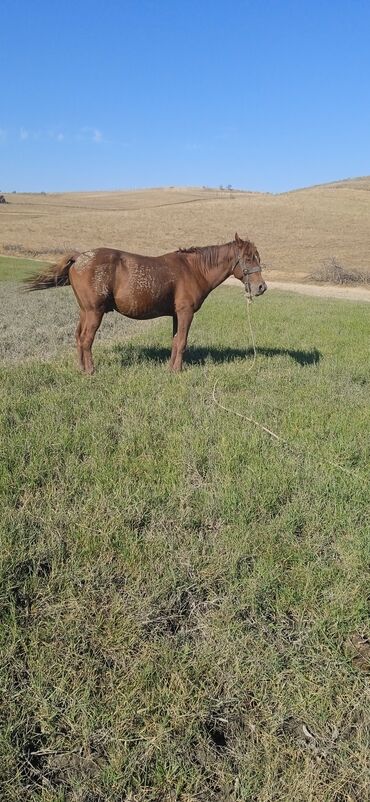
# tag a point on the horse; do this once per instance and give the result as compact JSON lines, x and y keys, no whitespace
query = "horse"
{"x":144,"y":287}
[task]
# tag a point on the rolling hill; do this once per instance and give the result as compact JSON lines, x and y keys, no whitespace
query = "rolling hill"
{"x":295,"y":231}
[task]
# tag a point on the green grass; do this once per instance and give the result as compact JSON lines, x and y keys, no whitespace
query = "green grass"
{"x":176,"y":587}
{"x":14,"y":269}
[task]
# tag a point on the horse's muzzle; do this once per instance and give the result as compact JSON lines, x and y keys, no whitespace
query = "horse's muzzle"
{"x":262,"y":287}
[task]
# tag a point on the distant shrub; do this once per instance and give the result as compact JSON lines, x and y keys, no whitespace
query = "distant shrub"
{"x":22,"y":250}
{"x":12,"y":248}
{"x":335,"y":273}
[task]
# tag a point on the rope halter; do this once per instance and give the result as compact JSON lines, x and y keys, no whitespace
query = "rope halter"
{"x":247,"y":270}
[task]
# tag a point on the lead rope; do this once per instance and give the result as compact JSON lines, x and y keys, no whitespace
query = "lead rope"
{"x":260,"y":425}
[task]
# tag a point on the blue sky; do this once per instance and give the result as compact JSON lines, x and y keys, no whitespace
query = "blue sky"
{"x":107,"y":95}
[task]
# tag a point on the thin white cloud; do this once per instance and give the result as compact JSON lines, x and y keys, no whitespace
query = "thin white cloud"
{"x":55,"y":134}
{"x":87,"y":134}
{"x":90,"y":133}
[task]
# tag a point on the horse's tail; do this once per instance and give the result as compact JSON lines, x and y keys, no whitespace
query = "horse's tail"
{"x":55,"y":276}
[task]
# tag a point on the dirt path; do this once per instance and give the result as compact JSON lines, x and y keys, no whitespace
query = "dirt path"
{"x":318,"y":290}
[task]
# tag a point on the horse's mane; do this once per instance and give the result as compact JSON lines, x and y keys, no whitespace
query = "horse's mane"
{"x":203,"y":249}
{"x":208,"y":253}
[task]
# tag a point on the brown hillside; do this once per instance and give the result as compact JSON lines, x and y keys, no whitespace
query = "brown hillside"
{"x":295,"y":231}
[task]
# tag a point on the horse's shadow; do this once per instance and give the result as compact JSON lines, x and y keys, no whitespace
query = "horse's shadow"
{"x":198,"y":355}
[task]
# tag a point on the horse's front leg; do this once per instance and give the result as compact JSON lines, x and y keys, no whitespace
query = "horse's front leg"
{"x":174,"y":341}
{"x":184,"y":318}
{"x":78,"y":340}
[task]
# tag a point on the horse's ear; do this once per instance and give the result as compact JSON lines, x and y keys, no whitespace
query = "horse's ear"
{"x":237,"y":238}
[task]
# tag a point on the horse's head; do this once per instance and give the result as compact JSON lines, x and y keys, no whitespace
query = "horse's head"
{"x":247,"y":267}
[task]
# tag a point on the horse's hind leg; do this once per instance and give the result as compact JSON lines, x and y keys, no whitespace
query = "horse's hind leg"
{"x":78,"y":340}
{"x":93,"y":318}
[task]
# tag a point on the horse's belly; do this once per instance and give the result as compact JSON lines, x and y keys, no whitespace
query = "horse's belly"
{"x":143,"y":306}
{"x":144,"y":295}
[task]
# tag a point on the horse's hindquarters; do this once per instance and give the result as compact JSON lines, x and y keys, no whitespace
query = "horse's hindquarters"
{"x":92,"y":278}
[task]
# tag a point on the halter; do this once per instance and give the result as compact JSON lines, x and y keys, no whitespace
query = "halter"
{"x":247,"y":272}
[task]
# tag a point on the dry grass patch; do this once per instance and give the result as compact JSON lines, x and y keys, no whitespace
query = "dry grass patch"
{"x":332,"y":272}
{"x":40,"y":326}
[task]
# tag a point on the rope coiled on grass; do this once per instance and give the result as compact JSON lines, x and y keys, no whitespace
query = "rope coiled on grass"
{"x":265,"y":429}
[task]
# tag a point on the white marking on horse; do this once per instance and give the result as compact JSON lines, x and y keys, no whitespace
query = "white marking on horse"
{"x":83,"y":260}
{"x":101,"y":280}
{"x":142,"y":278}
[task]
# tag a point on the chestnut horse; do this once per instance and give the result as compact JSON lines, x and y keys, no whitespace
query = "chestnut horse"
{"x":143,"y":287}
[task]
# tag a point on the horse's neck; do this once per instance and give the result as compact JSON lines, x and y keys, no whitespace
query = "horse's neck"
{"x":222,"y":267}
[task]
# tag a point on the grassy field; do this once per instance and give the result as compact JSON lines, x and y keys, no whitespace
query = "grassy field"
{"x":295,"y":231}
{"x":181,"y":594}
{"x":13,"y":269}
